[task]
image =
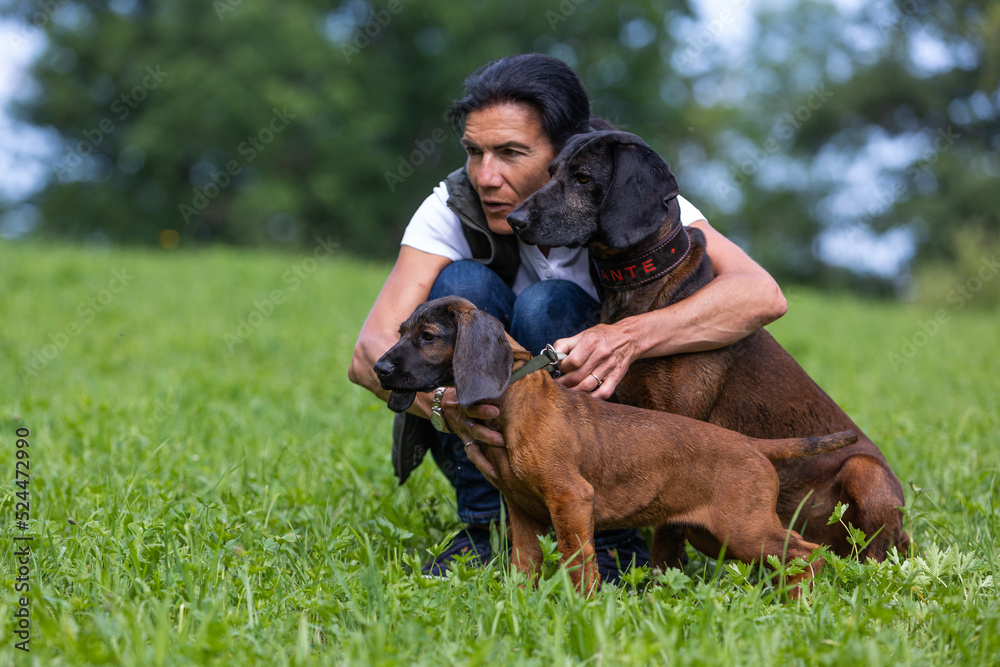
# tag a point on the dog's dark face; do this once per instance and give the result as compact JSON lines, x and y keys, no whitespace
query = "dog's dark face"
{"x":605,"y":187}
{"x":422,"y":359}
{"x":446,"y":342}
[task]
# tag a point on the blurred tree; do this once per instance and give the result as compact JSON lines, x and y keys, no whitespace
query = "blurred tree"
{"x":257,"y":123}
{"x":855,"y":126}
{"x":251,"y":122}
{"x":940,"y":81}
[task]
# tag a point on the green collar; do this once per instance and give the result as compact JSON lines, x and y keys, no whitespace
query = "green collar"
{"x":549,"y":360}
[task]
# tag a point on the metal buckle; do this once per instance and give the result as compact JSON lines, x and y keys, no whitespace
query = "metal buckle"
{"x":554,"y":359}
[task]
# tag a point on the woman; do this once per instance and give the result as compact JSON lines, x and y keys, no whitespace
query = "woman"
{"x":517,"y":114}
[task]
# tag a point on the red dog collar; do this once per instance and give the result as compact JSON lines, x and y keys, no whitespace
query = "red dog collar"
{"x":655,"y":263}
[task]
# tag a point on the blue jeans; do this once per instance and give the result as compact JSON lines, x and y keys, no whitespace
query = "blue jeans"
{"x":541,"y":314}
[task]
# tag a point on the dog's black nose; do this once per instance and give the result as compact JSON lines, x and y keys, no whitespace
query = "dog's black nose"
{"x":383,"y":368}
{"x":518,"y":220}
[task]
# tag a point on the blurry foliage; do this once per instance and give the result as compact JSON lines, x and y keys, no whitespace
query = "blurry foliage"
{"x":971,"y":280}
{"x":364,"y":86}
{"x":819,"y":98}
{"x":330,"y":116}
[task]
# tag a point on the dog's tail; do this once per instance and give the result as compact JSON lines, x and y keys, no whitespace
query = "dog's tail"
{"x":796,"y":448}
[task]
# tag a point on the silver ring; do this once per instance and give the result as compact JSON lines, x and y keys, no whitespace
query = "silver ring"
{"x":599,"y":382}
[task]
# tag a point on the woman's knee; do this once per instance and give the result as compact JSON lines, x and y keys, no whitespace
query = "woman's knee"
{"x":557,"y":300}
{"x":459,"y":278}
{"x":479,"y":284}
{"x":552,"y":309}
{"x":540,"y":299}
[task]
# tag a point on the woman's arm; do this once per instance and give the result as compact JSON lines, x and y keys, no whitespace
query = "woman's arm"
{"x":742,"y":298}
{"x":408,"y":285}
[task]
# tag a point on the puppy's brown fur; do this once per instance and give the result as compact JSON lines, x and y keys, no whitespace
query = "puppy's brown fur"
{"x":610,"y":192}
{"x":580,"y":464}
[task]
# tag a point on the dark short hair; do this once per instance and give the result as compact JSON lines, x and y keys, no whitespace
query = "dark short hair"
{"x":545,"y":83}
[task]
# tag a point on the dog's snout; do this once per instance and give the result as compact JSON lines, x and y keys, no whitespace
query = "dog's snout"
{"x":383,"y":368}
{"x":518,"y":219}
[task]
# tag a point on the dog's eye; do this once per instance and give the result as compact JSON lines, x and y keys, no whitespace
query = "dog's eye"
{"x":427,"y":336}
{"x":583,"y":179}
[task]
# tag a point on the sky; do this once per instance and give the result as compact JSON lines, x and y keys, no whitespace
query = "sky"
{"x":21,"y":147}
{"x":26,"y":152}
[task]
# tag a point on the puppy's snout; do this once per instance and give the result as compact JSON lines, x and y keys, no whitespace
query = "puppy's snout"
{"x":383,"y":368}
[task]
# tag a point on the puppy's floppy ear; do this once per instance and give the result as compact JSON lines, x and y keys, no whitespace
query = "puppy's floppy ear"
{"x":482,"y":357}
{"x":634,"y":205}
{"x":400,"y":400}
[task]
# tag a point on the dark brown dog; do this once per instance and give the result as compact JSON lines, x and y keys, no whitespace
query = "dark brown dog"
{"x":580,"y":464}
{"x":610,"y":192}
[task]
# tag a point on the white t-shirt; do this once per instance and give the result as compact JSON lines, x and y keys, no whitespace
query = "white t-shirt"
{"x":436,"y":229}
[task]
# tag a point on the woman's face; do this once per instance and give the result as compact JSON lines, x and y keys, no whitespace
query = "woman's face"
{"x":508,"y":158}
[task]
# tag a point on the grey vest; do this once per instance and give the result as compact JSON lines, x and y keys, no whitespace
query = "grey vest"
{"x":412,"y":436}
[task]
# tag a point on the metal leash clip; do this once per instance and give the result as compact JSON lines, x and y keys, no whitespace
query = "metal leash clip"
{"x":555,"y":358}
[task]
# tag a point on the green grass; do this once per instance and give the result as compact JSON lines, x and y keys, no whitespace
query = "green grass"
{"x":197,"y":500}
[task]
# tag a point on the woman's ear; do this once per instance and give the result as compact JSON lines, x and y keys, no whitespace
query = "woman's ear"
{"x":483,"y":357}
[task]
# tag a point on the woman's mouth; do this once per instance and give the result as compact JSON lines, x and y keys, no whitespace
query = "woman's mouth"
{"x":495,"y":207}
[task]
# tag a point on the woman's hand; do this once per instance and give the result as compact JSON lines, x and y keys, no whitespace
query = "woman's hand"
{"x":741,"y":299}
{"x":467,"y":424}
{"x":596,"y":359}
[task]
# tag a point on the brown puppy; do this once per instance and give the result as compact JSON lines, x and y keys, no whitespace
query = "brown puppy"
{"x":610,"y":192}
{"x":580,"y":464}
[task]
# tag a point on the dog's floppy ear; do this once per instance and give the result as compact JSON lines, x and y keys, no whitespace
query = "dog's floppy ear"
{"x":482,"y":358}
{"x":400,"y":400}
{"x":635,"y":204}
